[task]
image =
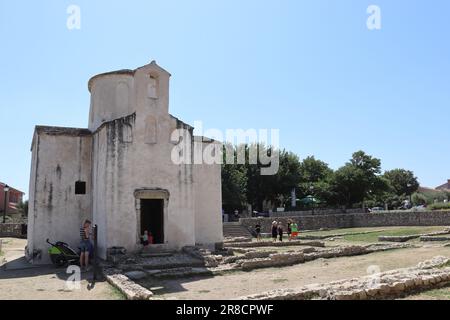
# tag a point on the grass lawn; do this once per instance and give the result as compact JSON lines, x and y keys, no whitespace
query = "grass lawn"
{"x":437,"y":294}
{"x":373,"y":237}
{"x":116,"y":294}
{"x":400,"y":231}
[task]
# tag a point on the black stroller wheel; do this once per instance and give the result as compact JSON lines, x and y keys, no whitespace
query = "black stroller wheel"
{"x":60,"y":261}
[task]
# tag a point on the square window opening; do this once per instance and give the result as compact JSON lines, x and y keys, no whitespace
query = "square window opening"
{"x":80,"y":187}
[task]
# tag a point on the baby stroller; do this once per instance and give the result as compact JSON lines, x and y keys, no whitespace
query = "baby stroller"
{"x":62,"y":254}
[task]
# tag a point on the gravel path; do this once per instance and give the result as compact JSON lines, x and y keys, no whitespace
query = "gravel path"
{"x":319,"y":271}
{"x":20,"y":281}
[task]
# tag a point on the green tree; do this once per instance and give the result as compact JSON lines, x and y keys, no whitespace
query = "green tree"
{"x":315,"y":178}
{"x":358,"y":180}
{"x":234,"y":187}
{"x":234,"y":182}
{"x":23,"y":208}
{"x":288,"y":176}
{"x":313,"y":170}
{"x":403,"y":182}
{"x":259,"y":187}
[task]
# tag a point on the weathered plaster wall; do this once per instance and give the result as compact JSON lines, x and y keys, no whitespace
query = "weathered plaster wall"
{"x":134,"y":153}
{"x":208,"y":202}
{"x":127,"y":148}
{"x":112,"y":97}
{"x":60,"y":159}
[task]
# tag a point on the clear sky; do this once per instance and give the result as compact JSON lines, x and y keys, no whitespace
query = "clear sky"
{"x":309,"y":68}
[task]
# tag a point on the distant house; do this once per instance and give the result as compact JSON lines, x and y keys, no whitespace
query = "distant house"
{"x":444,"y":187}
{"x":14,"y":198}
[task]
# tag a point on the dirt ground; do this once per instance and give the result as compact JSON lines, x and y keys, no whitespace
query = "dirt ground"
{"x":239,"y":284}
{"x":20,"y":281}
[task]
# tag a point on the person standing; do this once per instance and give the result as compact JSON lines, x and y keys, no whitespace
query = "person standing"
{"x":85,"y":244}
{"x":274,"y":231}
{"x":294,"y":228}
{"x":289,"y":230}
{"x":145,"y":239}
{"x":258,"y":231}
{"x":280,"y":231}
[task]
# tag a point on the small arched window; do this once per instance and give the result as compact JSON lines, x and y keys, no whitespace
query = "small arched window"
{"x":152,"y":87}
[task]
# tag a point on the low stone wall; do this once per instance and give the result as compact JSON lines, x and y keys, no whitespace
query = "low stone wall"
{"x":275,"y":244}
{"x":236,"y":239}
{"x":358,"y":220}
{"x":434,"y":238}
{"x":423,"y":237}
{"x":292,"y":258}
{"x":315,"y":212}
{"x":397,"y":238}
{"x":250,"y":259}
{"x":390,"y":284}
{"x":129,"y":288}
{"x":12,"y":230}
{"x":337,"y":235}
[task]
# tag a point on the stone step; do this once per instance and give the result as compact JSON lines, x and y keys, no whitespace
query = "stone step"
{"x":234,"y":229}
{"x":156,"y":254}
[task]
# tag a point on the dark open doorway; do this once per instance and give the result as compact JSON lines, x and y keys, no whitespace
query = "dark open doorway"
{"x":152,"y":219}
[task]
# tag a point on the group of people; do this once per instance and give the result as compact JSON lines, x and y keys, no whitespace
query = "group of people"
{"x":278,"y":231}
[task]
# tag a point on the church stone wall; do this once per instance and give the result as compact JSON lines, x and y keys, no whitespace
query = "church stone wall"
{"x":208,"y":201}
{"x":60,"y":159}
{"x":126,"y":153}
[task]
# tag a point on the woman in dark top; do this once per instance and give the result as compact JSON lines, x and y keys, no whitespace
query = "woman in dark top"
{"x":289,"y":230}
{"x":274,"y":231}
{"x":280,"y":232}
{"x":85,"y":244}
{"x":258,"y":232}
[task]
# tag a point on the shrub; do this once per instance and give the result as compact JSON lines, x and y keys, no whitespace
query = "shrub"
{"x":440,"y":206}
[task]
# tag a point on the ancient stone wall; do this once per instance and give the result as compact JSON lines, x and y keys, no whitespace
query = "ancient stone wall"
{"x":13,"y":230}
{"x":428,"y":275}
{"x":338,"y":221}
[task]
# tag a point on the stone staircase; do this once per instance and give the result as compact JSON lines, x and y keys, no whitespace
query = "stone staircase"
{"x":235,"y":230}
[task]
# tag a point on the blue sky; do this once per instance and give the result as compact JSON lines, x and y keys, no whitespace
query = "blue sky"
{"x":310,"y":68}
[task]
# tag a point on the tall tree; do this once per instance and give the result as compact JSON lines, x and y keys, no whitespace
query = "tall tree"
{"x":259,"y":187}
{"x":403,"y":182}
{"x":315,"y":178}
{"x":288,"y":176}
{"x":358,"y":180}
{"x":234,"y":187}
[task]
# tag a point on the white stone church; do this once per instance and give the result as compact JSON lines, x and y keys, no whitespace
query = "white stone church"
{"x":120,"y":174}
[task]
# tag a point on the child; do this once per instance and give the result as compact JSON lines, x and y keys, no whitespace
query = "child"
{"x":294,"y":228}
{"x":145,"y":239}
{"x":150,"y":238}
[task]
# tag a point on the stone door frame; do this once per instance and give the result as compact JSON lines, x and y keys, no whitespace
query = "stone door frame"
{"x":152,"y":194}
